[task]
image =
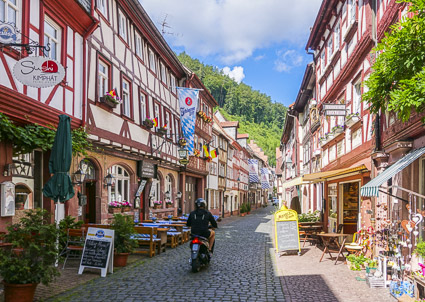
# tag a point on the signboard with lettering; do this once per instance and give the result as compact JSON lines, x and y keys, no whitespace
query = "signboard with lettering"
{"x":7,"y":33}
{"x":98,"y":251}
{"x":334,"y":107}
{"x":286,"y":230}
{"x":146,"y":169}
{"x":335,"y":112}
{"x":141,"y":187}
{"x":39,"y":72}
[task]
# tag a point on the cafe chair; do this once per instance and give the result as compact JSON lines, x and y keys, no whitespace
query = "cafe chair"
{"x":340,"y":228}
{"x":74,"y":245}
{"x":354,"y":247}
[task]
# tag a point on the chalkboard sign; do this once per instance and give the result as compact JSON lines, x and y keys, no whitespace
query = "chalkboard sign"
{"x":96,"y":253}
{"x":98,"y":249}
{"x":286,"y":230}
{"x":287,"y":235}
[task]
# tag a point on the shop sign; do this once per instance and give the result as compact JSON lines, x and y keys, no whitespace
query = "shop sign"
{"x":141,"y":187}
{"x":146,"y":169}
{"x":184,"y":161}
{"x":38,"y":72}
{"x":335,"y":112}
{"x":334,"y":107}
{"x":7,"y":33}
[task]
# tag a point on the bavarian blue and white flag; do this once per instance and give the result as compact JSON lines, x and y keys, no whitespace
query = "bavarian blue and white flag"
{"x":253,"y":170}
{"x":265,"y":178}
{"x":188,"y":99}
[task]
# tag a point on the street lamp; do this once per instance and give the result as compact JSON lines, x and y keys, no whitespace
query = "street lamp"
{"x":183,"y":153}
{"x":109,"y":179}
{"x":79,"y":176}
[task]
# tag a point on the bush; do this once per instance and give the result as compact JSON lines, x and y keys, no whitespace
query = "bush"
{"x":309,"y":217}
{"x":124,"y":229}
{"x":420,"y":249}
{"x":243,"y":208}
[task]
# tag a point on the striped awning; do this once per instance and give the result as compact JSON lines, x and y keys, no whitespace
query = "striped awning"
{"x":293,"y":182}
{"x":322,"y":176}
{"x":372,"y":187}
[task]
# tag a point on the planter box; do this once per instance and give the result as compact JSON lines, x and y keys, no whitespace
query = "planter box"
{"x":352,"y":120}
{"x":105,"y":100}
{"x":114,"y":210}
{"x":126,"y":209}
{"x":161,"y":132}
{"x":148,"y":124}
{"x":169,"y":205}
{"x":157,"y":206}
{"x":338,"y":131}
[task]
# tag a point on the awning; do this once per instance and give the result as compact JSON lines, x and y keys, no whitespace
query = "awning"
{"x":293,"y":182}
{"x":322,"y":176}
{"x":372,"y":187}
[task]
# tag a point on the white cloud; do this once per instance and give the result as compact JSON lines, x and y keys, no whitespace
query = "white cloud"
{"x":260,"y":57}
{"x":286,"y":60}
{"x":236,"y":73}
{"x":233,"y":29}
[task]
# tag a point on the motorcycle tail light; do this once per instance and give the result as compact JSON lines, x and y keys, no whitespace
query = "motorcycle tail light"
{"x":196,"y":241}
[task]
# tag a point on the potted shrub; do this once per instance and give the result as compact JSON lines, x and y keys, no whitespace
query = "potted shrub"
{"x":169,"y":203}
{"x":124,"y":244}
{"x":114,"y":207}
{"x":248,"y":208}
{"x":36,"y":240}
{"x":242,"y":210}
{"x":157,"y":204}
{"x":148,"y":123}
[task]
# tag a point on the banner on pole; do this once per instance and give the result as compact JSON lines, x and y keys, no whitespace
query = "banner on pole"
{"x":265,"y":178}
{"x":253,"y":170}
{"x":188,"y":99}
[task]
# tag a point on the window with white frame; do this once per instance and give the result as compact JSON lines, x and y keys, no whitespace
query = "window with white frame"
{"x":173,"y":83}
{"x":213,"y":168}
{"x":143,"y":107}
{"x":52,"y":36}
{"x":176,"y":130}
{"x":152,"y":61}
{"x":325,"y":157}
{"x":103,"y":78}
{"x":122,"y":25}
{"x":357,"y":96}
{"x":214,"y":141}
{"x":352,"y":11}
{"x":10,"y":12}
{"x":156,"y":111}
{"x":163,"y":73}
{"x":156,"y":194}
{"x":169,"y":185}
{"x":330,"y":48}
{"x":322,"y":61}
{"x":340,"y":148}
{"x":356,"y":138}
{"x":337,"y":33}
{"x":126,"y":98}
{"x":138,"y":45}
{"x":168,"y":123}
{"x":101,"y":6}
{"x":120,"y":189}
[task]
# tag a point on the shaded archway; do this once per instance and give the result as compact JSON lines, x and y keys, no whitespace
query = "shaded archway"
{"x":295,"y":204}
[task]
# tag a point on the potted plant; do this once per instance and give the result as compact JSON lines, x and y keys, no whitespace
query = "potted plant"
{"x":111,"y":99}
{"x":248,"y":208}
{"x":169,"y":203}
{"x":352,"y":118}
{"x":125,"y":206}
{"x":123,"y":227}
{"x":420,"y":251}
{"x":197,"y":153}
{"x":182,"y":142}
{"x":157,"y":204}
{"x":36,"y":240}
{"x":338,"y":129}
{"x":161,"y":131}
{"x":242,"y":210}
{"x":114,"y":207}
{"x":148,"y":123}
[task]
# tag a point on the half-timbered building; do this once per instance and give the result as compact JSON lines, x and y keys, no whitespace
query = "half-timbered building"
{"x":127,"y":53}
{"x":63,"y":27}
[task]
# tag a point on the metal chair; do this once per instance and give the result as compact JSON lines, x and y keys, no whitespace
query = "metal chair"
{"x":74,"y":244}
{"x":340,"y":228}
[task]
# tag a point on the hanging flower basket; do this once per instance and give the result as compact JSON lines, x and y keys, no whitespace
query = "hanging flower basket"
{"x":209,"y":159}
{"x":161,"y":131}
{"x":148,"y":123}
{"x":182,"y":142}
{"x":197,"y":153}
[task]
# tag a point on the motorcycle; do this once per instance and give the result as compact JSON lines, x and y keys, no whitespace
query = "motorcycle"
{"x":200,"y":255}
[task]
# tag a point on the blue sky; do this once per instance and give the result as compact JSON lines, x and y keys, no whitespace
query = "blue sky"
{"x":259,"y":42}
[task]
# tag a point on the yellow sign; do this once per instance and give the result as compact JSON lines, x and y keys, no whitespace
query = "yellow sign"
{"x":287,"y":236}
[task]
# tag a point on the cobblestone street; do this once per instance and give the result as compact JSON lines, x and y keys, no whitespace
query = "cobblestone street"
{"x":241,"y":270}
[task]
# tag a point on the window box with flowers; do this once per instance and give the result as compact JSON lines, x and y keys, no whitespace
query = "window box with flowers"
{"x":148,"y":122}
{"x":323,"y":140}
{"x":111,"y":99}
{"x":161,"y":131}
{"x":338,"y":129}
{"x":351,"y":119}
{"x":197,"y":153}
{"x":125,"y":206}
{"x":157,"y":204}
{"x":114,"y":207}
{"x":169,"y":203}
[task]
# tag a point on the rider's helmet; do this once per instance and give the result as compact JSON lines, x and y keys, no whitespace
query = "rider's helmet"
{"x":200,"y":202}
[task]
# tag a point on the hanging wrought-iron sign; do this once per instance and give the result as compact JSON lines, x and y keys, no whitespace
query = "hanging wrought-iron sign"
{"x":39,"y":72}
{"x":7,"y":33}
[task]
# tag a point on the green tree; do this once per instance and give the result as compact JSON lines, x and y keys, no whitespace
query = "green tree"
{"x":397,"y":82}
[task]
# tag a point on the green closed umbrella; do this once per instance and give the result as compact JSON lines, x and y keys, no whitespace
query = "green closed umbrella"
{"x":59,"y":187}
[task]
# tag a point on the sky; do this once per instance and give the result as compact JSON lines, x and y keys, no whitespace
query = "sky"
{"x":258,"y":42}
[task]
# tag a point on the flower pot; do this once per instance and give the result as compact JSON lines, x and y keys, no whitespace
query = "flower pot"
{"x":120,"y":260}
{"x":19,"y":292}
{"x":156,"y":206}
{"x":148,"y":124}
{"x":169,"y":205}
{"x":243,"y":214}
{"x":126,"y":209}
{"x":114,"y":210}
{"x":107,"y":101}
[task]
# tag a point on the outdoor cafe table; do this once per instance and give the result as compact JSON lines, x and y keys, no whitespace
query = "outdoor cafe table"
{"x":333,"y":238}
{"x":309,"y":231}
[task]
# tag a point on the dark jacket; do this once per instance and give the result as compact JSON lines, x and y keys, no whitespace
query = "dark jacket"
{"x":199,"y":220}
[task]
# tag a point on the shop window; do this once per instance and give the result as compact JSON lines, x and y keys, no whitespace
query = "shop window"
{"x":120,"y":189}
{"x":350,"y":199}
{"x":10,"y":12}
{"x":52,"y":36}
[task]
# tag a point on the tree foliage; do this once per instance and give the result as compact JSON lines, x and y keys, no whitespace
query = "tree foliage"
{"x":255,"y":111}
{"x":397,"y":82}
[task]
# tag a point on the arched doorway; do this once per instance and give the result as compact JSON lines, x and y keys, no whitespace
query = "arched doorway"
{"x":89,"y":189}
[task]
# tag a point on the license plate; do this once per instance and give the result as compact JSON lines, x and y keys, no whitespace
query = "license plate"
{"x":195,"y":247}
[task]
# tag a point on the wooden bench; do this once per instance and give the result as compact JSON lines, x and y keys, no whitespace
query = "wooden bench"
{"x":147,"y":237}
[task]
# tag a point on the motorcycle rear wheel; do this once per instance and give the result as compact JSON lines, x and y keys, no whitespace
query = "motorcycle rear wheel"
{"x":196,"y":265}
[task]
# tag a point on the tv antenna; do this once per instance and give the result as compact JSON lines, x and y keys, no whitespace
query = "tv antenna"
{"x":164,"y":26}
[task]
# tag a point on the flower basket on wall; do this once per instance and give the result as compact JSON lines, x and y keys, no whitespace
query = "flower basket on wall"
{"x":114,"y":210}
{"x":197,"y":153}
{"x":157,"y":204}
{"x":338,"y":129}
{"x":351,"y":119}
{"x":182,"y":142}
{"x":148,"y":123}
{"x":108,"y":100}
{"x":161,"y":131}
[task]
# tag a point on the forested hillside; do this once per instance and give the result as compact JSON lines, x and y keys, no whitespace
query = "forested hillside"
{"x":255,"y":111}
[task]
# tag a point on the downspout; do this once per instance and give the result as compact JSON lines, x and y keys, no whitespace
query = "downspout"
{"x":375,"y":40}
{"x":90,"y":30}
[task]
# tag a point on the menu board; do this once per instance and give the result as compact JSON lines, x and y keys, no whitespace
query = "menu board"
{"x":286,"y":230}
{"x":98,"y":249}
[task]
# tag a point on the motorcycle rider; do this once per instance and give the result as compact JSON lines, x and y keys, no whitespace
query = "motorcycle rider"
{"x":199,"y":221}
